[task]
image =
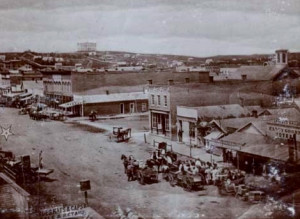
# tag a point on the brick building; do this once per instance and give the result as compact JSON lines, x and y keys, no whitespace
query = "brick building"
{"x":82,"y":81}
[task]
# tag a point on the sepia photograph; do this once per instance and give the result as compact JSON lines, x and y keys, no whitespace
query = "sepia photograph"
{"x":149,"y":109}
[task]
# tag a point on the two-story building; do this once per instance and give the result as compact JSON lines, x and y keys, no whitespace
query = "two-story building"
{"x":57,"y":86}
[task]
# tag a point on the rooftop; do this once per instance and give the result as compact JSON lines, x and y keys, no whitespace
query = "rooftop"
{"x":274,"y":151}
{"x":246,"y":138}
{"x":104,"y":98}
{"x":257,"y":73}
{"x":221,"y":111}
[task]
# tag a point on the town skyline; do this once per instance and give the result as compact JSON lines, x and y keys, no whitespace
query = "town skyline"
{"x":191,"y":28}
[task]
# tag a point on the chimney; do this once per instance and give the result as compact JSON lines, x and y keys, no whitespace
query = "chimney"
{"x":107,"y":92}
{"x":244,"y":77}
{"x":254,"y":113}
{"x":170,"y":82}
{"x":149,"y":81}
{"x":187,"y":80}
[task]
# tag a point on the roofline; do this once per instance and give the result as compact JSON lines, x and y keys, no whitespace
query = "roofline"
{"x":254,"y":126}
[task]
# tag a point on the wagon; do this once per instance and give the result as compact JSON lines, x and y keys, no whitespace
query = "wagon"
{"x":147,"y":174}
{"x":121,"y":134}
{"x":57,"y":116}
{"x":188,"y":181}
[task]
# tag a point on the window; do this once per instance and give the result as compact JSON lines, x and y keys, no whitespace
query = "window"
{"x":152,"y":99}
{"x":158,"y":100}
{"x":166,"y":100}
{"x":283,"y":57}
{"x":144,"y":107}
{"x":167,"y":123}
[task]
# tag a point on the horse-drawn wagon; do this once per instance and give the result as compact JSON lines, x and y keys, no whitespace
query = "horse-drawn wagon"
{"x":186,"y":180}
{"x":147,"y":174}
{"x":138,"y":170}
{"x":35,"y":115}
{"x":57,"y":116}
{"x":121,"y":134}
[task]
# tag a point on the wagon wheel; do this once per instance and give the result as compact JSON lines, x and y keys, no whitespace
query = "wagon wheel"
{"x":221,"y":188}
{"x":172,"y":181}
{"x":165,"y":176}
{"x":141,"y":179}
{"x":188,"y":186}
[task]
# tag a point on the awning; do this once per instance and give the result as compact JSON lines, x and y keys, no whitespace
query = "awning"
{"x":70,"y":104}
{"x":12,"y":94}
{"x":214,"y":135}
{"x":276,"y":152}
{"x":26,"y":98}
{"x":25,"y":95}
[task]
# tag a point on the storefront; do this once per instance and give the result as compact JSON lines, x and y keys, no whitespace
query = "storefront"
{"x":160,"y":123}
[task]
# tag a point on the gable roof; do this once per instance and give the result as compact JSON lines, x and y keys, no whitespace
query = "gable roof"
{"x":260,"y":73}
{"x":260,"y":126}
{"x":245,"y":138}
{"x":238,"y":123}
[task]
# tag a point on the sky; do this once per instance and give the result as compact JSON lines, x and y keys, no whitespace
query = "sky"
{"x":181,"y":27}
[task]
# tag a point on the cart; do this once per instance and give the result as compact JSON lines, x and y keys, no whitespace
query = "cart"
{"x":121,"y":134}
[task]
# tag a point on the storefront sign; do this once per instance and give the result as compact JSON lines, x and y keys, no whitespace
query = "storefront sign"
{"x":61,"y":212}
{"x":283,"y":132}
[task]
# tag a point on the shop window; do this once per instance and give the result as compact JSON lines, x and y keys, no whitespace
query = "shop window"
{"x":192,"y":129}
{"x":154,"y":120}
{"x":158,"y":100}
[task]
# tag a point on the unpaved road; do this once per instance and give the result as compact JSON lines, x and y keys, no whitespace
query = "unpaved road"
{"x":76,"y":153}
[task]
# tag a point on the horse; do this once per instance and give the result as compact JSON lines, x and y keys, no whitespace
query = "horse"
{"x":130,"y":171}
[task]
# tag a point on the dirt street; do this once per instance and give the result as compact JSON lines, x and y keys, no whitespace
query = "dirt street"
{"x":77,"y":153}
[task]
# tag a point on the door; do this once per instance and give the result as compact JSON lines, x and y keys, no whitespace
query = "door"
{"x":131,"y":107}
{"x":122,"y":108}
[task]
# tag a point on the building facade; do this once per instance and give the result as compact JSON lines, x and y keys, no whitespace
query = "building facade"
{"x":108,"y":104}
{"x":57,"y":87}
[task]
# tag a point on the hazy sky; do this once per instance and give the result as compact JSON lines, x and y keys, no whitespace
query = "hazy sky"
{"x":187,"y":27}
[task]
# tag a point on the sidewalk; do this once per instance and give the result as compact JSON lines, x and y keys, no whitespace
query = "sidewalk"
{"x":185,"y":150}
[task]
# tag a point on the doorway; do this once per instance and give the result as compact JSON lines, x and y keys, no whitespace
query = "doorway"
{"x":122,"y":108}
{"x":131,"y":107}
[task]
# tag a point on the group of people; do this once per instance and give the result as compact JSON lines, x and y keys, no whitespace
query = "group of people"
{"x":163,"y":162}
